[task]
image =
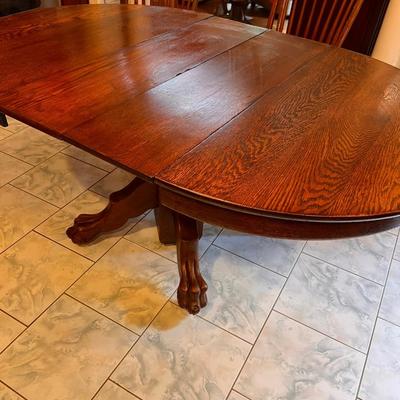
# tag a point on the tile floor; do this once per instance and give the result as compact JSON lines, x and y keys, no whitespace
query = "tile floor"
{"x":287,"y":320}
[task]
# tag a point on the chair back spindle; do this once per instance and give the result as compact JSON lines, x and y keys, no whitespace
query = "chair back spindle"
{"x":327,"y":21}
{"x":184,"y":4}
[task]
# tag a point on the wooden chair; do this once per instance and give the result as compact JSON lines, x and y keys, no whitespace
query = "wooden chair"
{"x":327,"y":21}
{"x":184,"y":4}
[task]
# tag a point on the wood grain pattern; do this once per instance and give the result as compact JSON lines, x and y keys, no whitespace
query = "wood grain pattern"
{"x":58,"y":40}
{"x":84,"y":92}
{"x":288,"y":228}
{"x":324,"y":143}
{"x":162,"y":124}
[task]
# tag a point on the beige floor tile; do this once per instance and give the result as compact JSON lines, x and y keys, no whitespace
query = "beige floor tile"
{"x":19,"y":213}
{"x":145,"y":234}
{"x":88,"y":202}
{"x":9,"y":329}
{"x":88,"y":158}
{"x":182,"y":357}
{"x":291,"y":361}
{"x":8,"y":394}
{"x":66,"y":354}
{"x":367,"y":256}
{"x":278,"y":255}
{"x":111,"y":391}
{"x":381,"y":380}
{"x":113,"y":182}
{"x":59,"y":180}
{"x":14,"y":126}
{"x":34,"y":272}
{"x":129,"y":285}
{"x":31,"y":146}
{"x":333,"y":301}
{"x":11,"y":168}
{"x":240,"y":294}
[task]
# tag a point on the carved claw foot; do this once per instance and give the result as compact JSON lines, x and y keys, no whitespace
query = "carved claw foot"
{"x":132,"y":201}
{"x":192,"y":287}
{"x":87,"y":227}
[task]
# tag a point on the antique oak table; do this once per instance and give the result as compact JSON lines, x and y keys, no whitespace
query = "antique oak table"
{"x":221,"y":122}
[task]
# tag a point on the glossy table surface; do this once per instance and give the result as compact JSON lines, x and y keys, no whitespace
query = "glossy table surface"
{"x":223,"y":112}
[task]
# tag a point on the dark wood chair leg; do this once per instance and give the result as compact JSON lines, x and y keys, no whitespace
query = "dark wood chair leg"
{"x":3,"y":120}
{"x":192,"y":287}
{"x":132,"y":201}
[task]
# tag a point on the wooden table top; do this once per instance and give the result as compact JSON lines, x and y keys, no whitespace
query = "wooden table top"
{"x":225,"y":112}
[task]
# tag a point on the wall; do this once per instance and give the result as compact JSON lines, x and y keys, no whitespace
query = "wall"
{"x":387,"y":47}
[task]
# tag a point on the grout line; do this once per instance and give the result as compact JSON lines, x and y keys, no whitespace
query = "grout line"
{"x":346,"y":270}
{"x":5,"y":129}
{"x":220,"y":327}
{"x":126,"y":390}
{"x":376,"y":320}
{"x":18,"y":159}
{"x":252,"y":262}
{"x":13,"y":390}
{"x":65,"y":247}
{"x":389,"y":322}
{"x":236,"y":391}
{"x":33,"y":195}
{"x":14,"y":318}
{"x":321,"y":333}
{"x":218,"y":234}
{"x":266,"y":320}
